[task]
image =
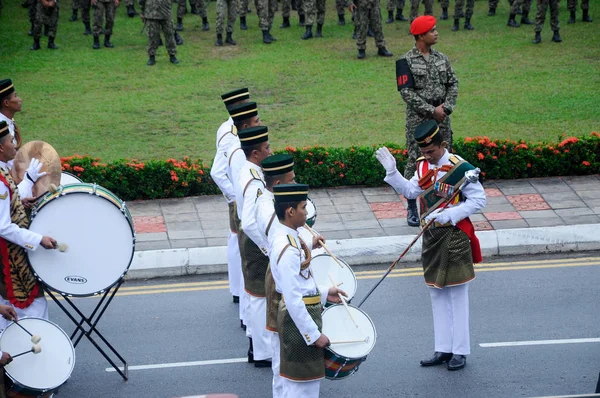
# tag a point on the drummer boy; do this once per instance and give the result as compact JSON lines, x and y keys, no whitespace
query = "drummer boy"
{"x":19,"y":287}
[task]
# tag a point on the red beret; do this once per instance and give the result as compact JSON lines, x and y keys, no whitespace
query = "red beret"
{"x":422,"y":25}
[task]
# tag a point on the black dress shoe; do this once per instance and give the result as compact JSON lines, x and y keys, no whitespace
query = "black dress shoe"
{"x":438,"y":358}
{"x":250,"y":357}
{"x":457,"y":362}
{"x":262,"y":364}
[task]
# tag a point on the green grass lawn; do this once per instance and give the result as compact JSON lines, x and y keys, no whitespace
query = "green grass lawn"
{"x":108,"y":103}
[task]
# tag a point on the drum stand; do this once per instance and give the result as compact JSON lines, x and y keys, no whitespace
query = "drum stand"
{"x":86,"y":326}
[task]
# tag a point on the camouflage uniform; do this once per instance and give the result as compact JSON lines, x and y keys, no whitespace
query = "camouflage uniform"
{"x":368,"y":14}
{"x":194,"y":4}
{"x":265,"y":9}
{"x":226,"y":9}
{"x":393,"y":5}
{"x":414,"y":8}
{"x":243,"y":8}
{"x":434,"y":83}
{"x":75,"y":4}
{"x":523,"y":5}
{"x":157,"y":16}
{"x":540,"y":17}
{"x":85,"y":6}
{"x":286,"y":7}
{"x":102,"y":9}
{"x":314,"y":9}
{"x":45,"y":16}
{"x":340,"y":6}
{"x":572,"y":5}
{"x":493,"y":4}
{"x":460,"y":5}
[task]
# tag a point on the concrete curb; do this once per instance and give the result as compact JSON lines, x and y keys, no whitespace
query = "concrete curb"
{"x":381,"y":250}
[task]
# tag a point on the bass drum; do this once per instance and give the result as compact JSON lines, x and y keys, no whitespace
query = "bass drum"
{"x":68,"y":178}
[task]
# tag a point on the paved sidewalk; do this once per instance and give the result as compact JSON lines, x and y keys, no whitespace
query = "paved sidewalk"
{"x":351,"y":213}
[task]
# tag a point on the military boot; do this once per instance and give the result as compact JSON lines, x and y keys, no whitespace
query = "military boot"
{"x":468,"y":25}
{"x":383,"y":52}
{"x":525,"y":20}
{"x":556,"y":37}
{"x":444,"y":13}
{"x":413,"y":214}
{"x":361,"y":54}
{"x":399,"y":16}
{"x":73,"y":16}
{"x":36,"y":44}
{"x":491,"y":12}
{"x":341,"y":19}
{"x":319,"y":30}
{"x":243,"y":25}
{"x":308,"y":33}
{"x":173,"y":59}
{"x":219,"y":41}
{"x":456,"y":25}
{"x":271,"y":36}
{"x":131,"y":12}
{"x":51,"y":44}
{"x":586,"y":16}
{"x":229,"y":40}
{"x":88,"y":29}
{"x":572,"y":17}
{"x":205,"y":25}
{"x":538,"y":38}
{"x":107,"y":42}
{"x":178,"y":39}
{"x":266,"y":38}
{"x":179,"y":26}
{"x":151,"y":60}
{"x":301,"y":20}
{"x":96,"y":44}
{"x":286,"y":23}
{"x":511,"y":21}
{"x":390,"y":17}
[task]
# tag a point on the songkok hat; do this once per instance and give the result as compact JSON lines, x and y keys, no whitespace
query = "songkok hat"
{"x":427,"y":133}
{"x":422,"y":24}
{"x":235,"y":96}
{"x":253,"y":135}
{"x":4,"y":129}
{"x":290,"y":192}
{"x":243,"y":111}
{"x":278,"y":164}
{"x":6,"y":88}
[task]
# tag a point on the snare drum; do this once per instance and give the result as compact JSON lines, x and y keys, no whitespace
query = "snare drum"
{"x":37,"y":374}
{"x":98,"y":231}
{"x":68,"y":178}
{"x":311,"y":210}
{"x":323,"y":265}
{"x":342,"y":360}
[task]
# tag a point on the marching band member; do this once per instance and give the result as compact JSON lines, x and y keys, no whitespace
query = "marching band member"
{"x":299,"y":318}
{"x":18,"y":286}
{"x":450,"y":247}
{"x":226,"y":137}
{"x":253,"y":249}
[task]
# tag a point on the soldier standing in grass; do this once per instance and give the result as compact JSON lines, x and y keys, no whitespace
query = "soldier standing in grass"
{"x":467,"y":14}
{"x":585,"y":7}
{"x":75,"y":7}
{"x":414,"y":8}
{"x":540,"y":18}
{"x":46,"y":13}
{"x":156,"y":15}
{"x":103,"y":9}
{"x":226,"y":9}
{"x":314,"y":9}
{"x":85,"y":6}
{"x":524,"y":6}
{"x":430,"y":90}
{"x":286,"y":7}
{"x":368,"y":15}
{"x":397,"y":5}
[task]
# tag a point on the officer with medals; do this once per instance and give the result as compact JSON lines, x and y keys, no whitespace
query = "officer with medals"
{"x":253,"y":248}
{"x":299,"y":319}
{"x":450,"y":246}
{"x":226,"y":138}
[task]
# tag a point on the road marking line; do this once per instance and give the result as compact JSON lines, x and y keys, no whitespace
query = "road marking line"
{"x":212,"y":283}
{"x":539,"y":342}
{"x":181,"y":364}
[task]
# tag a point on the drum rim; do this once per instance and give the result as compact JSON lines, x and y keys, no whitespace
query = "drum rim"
{"x":72,"y":175}
{"x":72,"y":349}
{"x":127,"y":216}
{"x":370,"y":320}
{"x":348,"y":266}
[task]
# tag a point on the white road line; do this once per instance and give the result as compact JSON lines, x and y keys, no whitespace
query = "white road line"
{"x":539,"y":342}
{"x":182,"y":364}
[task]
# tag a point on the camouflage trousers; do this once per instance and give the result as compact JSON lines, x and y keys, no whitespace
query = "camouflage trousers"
{"x":523,"y":5}
{"x":31,"y":11}
{"x":85,"y":6}
{"x":368,"y":14}
{"x":200,"y":5}
{"x":444,"y":3}
{"x":393,"y":5}
{"x":243,"y":7}
{"x":460,"y":5}
{"x":493,"y":4}
{"x":129,"y":3}
{"x":154,"y":26}
{"x":226,"y":9}
{"x":286,"y":8}
{"x":265,"y":9}
{"x":340,"y":7}
{"x":314,"y":9}
{"x":101,"y":11}
{"x":45,"y":16}
{"x":414,"y":8}
{"x":75,"y":4}
{"x":412,"y":121}
{"x":540,"y":17}
{"x":572,"y":5}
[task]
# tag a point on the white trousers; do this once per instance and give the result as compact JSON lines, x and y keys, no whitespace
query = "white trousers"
{"x":305,"y":389}
{"x":277,"y":380}
{"x":261,"y":337}
{"x":450,"y":307}
{"x":37,"y":309}
{"x":245,"y":307}
{"x":234,"y":264}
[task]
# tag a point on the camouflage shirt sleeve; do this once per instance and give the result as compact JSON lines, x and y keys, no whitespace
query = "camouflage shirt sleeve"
{"x":451,"y":88}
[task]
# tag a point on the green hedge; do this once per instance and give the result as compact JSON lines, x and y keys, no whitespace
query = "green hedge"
{"x":331,"y":167}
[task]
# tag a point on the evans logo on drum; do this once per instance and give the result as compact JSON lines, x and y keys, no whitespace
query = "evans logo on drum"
{"x":78,"y":280}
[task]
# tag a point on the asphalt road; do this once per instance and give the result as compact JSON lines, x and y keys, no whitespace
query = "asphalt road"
{"x":518,"y":299}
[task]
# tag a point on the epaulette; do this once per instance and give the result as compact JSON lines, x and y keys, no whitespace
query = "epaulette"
{"x":292,"y":241}
{"x":255,"y":174}
{"x":234,"y":130}
{"x":454,"y":159}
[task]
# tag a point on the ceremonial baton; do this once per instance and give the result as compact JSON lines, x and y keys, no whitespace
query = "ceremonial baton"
{"x":471,"y":177}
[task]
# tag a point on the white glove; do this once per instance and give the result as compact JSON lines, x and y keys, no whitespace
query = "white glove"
{"x":440,"y":216}
{"x":33,"y":171}
{"x":386,"y":159}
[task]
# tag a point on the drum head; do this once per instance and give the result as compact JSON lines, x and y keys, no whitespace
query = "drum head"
{"x":338,"y":326}
{"x":323,"y":265}
{"x":47,"y":370}
{"x":99,"y":239}
{"x":68,"y":178}
{"x":311,"y":212}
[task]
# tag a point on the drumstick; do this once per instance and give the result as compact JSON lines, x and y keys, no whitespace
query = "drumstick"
{"x":365,"y":340}
{"x":343,"y":301}
{"x":62,"y":247}
{"x":323,"y":245}
{"x":51,"y":189}
{"x":34,"y":337}
{"x":36,"y":349}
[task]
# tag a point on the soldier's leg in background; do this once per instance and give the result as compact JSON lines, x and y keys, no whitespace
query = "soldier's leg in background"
{"x":375,"y":22}
{"x":153,"y":29}
{"x":300,"y":6}
{"x":340,"y":8}
{"x":272,"y":11}
{"x":390,"y":7}
{"x":85,"y":13}
{"x":98,"y":18}
{"x":444,"y":4}
{"x":169,"y":32}
{"x":262,"y":11}
{"x":414,"y":9}
{"x":38,"y":20}
{"x":310,"y":11}
{"x":286,"y":7}
{"x":554,"y":15}
{"x":469,"y":13}
{"x":110,"y":18}
{"x":320,"y":12}
{"x":400,"y":11}
{"x":492,"y":4}
{"x":361,"y":23}
{"x":221,"y":16}
{"x":458,"y":9}
{"x":428,"y":7}
{"x":74,"y":7}
{"x":413,"y":151}
{"x":53,"y":21}
{"x":232,"y":12}
{"x":446,"y":131}
{"x":181,"y":10}
{"x":243,"y":8}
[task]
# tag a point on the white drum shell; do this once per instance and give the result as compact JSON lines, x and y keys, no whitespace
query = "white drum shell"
{"x":68,"y":178}
{"x":338,"y":326}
